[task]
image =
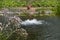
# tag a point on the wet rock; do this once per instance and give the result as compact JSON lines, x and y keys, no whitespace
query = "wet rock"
{"x":19,"y":34}
{"x":1,"y":28}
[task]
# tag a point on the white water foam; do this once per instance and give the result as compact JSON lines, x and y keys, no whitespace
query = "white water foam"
{"x":32,"y":22}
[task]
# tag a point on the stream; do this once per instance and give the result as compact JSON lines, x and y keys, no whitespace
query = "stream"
{"x":43,"y":28}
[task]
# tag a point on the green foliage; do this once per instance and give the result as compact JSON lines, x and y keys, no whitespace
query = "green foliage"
{"x":22,"y":3}
{"x":12,"y":3}
{"x":58,"y":9}
{"x":45,"y":3}
{"x":2,"y":36}
{"x":0,"y":4}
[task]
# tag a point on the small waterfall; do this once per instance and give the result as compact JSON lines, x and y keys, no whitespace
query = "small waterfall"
{"x":33,"y":22}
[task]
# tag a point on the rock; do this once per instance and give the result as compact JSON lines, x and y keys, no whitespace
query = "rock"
{"x":1,"y":27}
{"x":19,"y":34}
{"x":22,"y":32}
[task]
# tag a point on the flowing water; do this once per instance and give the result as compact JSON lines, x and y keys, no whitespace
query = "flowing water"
{"x":40,"y":28}
{"x":47,"y":28}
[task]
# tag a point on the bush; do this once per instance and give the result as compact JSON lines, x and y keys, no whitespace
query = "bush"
{"x":37,"y":3}
{"x":58,"y":8}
